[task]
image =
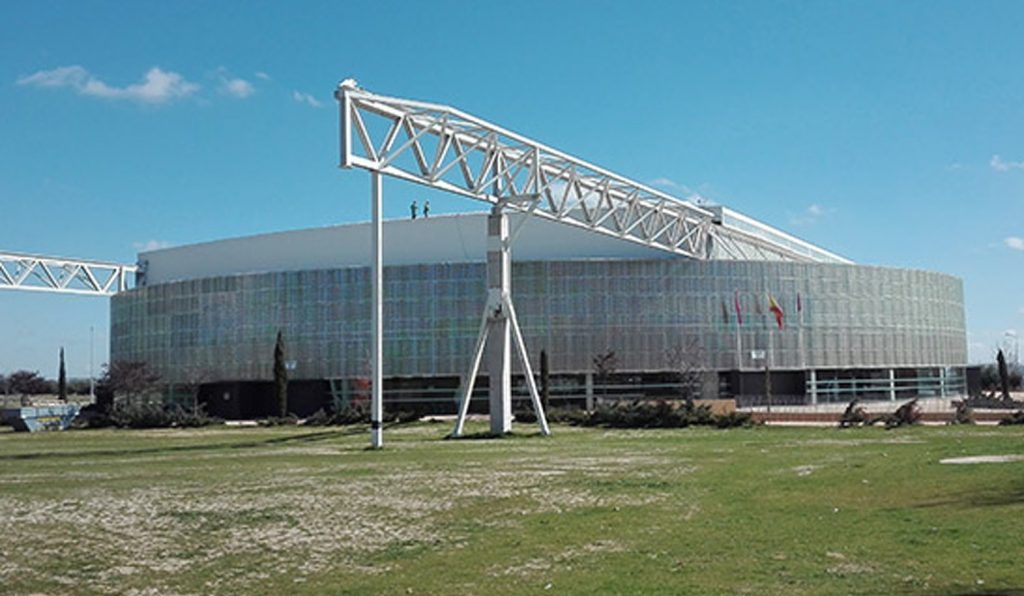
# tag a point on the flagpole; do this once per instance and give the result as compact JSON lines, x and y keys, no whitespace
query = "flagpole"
{"x":768,"y":359}
{"x":739,"y":321}
{"x":739,"y":348}
{"x":800,"y":335}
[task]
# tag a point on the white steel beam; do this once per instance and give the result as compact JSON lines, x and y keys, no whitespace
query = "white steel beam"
{"x":60,"y":275}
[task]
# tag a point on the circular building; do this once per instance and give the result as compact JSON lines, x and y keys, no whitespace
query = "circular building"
{"x":614,"y":318}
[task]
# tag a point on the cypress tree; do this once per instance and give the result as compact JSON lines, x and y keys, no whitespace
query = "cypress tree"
{"x":62,"y":379}
{"x":280,"y":375}
{"x":1004,"y":375}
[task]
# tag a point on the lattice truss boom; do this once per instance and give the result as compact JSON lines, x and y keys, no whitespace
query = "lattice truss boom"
{"x":69,"y":276}
{"x":447,"y":149}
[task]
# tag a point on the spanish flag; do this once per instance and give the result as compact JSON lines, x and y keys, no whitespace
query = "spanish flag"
{"x":776,"y":310}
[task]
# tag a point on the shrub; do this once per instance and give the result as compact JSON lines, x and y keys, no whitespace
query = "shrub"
{"x":192,"y":418}
{"x":992,"y":402}
{"x":146,"y":415}
{"x":351,"y":414}
{"x":289,"y":420}
{"x":1015,"y":418}
{"x":571,"y":416}
{"x":733,"y":420}
{"x":646,"y":414}
{"x":319,"y":418}
{"x":525,"y":414}
{"x":963,"y":413}
{"x":906,"y":415}
{"x":854,"y":415}
{"x":356,"y":414}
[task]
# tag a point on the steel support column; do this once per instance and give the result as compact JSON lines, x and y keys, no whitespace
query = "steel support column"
{"x":499,"y":332}
{"x":498,"y":327}
{"x":377,"y":314}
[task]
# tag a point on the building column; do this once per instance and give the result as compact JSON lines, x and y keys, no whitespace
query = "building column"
{"x":892,"y":384}
{"x":942,"y":381}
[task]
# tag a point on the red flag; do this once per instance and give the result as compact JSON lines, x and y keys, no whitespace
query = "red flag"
{"x":736,"y":303}
{"x":776,"y":310}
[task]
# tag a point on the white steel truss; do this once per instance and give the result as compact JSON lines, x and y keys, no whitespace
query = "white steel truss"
{"x":60,"y":275}
{"x":447,"y":149}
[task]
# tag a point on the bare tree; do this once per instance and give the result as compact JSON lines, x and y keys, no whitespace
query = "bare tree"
{"x":686,"y":361}
{"x":605,"y":366}
{"x":131,"y":379}
{"x":193,"y":378}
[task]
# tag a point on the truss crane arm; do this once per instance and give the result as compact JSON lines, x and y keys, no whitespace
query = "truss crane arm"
{"x":38,"y":273}
{"x":447,"y":149}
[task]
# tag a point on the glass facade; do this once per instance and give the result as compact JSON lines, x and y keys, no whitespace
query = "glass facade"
{"x":836,"y":316}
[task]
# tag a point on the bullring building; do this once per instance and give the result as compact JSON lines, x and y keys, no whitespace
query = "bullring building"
{"x":827,"y":329}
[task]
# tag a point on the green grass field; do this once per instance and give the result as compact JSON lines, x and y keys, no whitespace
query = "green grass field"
{"x":275,"y":510}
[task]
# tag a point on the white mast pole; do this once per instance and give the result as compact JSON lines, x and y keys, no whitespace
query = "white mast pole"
{"x":377,"y":317}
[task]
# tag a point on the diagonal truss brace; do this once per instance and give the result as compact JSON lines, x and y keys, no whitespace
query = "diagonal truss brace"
{"x":61,"y":275}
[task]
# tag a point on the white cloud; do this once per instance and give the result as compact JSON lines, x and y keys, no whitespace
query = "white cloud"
{"x":157,"y":85}
{"x":73,"y":76}
{"x":1014,"y":242}
{"x":306,"y":98}
{"x":680,"y":189}
{"x":999,"y":165}
{"x":236,"y":87}
{"x":809,"y":216}
{"x":666,"y":183}
{"x":263,"y":76}
{"x":149,"y":245}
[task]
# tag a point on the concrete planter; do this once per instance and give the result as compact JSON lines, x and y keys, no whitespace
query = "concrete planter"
{"x":41,"y":418}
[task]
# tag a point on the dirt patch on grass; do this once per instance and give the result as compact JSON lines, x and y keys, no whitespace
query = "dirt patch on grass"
{"x":572,"y":555}
{"x":300,"y":520}
{"x":806,"y":470}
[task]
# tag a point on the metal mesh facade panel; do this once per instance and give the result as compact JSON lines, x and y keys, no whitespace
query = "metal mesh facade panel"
{"x":849,"y":316}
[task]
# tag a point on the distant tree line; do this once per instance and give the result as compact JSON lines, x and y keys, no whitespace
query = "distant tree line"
{"x":26,"y":382}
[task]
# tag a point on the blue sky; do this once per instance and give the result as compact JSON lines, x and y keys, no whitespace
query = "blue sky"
{"x":892,"y":133}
